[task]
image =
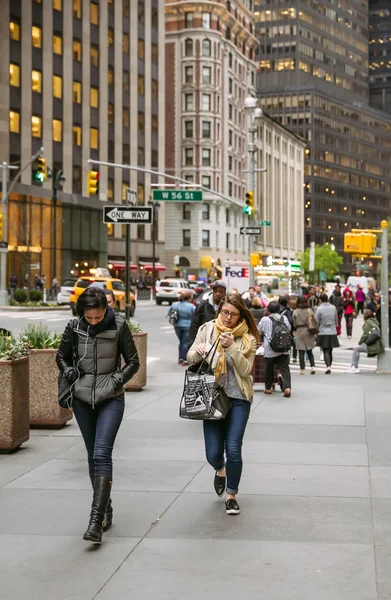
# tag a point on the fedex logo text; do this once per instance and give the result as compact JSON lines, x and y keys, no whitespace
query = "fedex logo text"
{"x":237,"y":272}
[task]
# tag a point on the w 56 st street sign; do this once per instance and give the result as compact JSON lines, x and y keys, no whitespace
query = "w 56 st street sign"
{"x":117,"y":214}
{"x":177,"y":195}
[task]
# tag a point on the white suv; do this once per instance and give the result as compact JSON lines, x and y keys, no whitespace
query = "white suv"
{"x":170,"y":290}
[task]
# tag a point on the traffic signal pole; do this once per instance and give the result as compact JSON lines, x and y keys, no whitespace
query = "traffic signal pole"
{"x":251,"y":181}
{"x":384,"y":359}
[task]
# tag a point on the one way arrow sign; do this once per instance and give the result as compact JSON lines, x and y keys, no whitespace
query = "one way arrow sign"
{"x":250,"y":230}
{"x":118,"y":214}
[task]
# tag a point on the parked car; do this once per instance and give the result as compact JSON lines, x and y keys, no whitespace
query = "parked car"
{"x":170,"y":290}
{"x":63,"y":296}
{"x":116,"y":285}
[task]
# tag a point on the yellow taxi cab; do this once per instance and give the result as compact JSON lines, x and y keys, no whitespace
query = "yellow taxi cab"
{"x":109,"y":283}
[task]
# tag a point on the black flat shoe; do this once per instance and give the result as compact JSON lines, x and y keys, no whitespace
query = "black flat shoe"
{"x":219,"y":484}
{"x":232,"y":507}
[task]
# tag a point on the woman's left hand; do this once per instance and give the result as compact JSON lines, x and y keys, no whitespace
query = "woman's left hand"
{"x":226,"y":340}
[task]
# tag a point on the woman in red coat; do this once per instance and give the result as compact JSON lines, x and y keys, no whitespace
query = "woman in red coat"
{"x":349,"y":311}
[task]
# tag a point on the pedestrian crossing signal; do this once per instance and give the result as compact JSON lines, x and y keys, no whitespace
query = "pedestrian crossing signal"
{"x":93,"y":183}
{"x":249,"y":208}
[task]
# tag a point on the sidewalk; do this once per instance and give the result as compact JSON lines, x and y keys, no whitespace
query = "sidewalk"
{"x":315,"y":499}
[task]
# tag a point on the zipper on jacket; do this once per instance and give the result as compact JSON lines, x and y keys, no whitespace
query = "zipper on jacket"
{"x":93,"y":391}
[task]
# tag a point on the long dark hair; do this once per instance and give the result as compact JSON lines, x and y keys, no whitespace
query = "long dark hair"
{"x":302,"y":302}
{"x":92,"y":297}
{"x":237,"y":301}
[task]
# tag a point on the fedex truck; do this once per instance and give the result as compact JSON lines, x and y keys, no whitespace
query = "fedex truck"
{"x":236,"y":274}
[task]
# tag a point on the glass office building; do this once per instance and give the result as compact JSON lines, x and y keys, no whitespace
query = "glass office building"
{"x":380,"y":54}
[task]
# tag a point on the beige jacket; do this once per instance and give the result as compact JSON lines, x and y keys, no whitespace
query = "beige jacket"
{"x":242,"y":365}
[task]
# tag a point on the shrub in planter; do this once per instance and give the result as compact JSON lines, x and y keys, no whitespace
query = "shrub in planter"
{"x":14,"y":378}
{"x":36,"y":295}
{"x":20,"y":295}
{"x":44,"y":408}
{"x":140,"y":339}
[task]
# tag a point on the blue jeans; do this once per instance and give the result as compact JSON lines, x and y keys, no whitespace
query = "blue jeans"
{"x":228,"y":434}
{"x":182,"y":334}
{"x":99,"y":427}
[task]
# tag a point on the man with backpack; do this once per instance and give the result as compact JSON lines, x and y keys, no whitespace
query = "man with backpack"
{"x":207,"y":309}
{"x":275,"y":330}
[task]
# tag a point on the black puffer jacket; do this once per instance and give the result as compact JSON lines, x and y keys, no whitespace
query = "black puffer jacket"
{"x":93,"y":362}
{"x":203,"y":313}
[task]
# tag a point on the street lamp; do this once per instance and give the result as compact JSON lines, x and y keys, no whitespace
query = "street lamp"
{"x":57,"y":177}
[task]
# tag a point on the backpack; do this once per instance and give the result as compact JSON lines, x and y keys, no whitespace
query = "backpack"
{"x":281,"y":338}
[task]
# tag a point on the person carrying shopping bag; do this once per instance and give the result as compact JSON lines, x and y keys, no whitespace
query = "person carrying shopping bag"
{"x":305,"y":325}
{"x":180,"y":315}
{"x":235,"y":334}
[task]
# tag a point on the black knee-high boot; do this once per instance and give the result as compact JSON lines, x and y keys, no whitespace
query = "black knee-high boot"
{"x":108,"y":520}
{"x":102,"y":488}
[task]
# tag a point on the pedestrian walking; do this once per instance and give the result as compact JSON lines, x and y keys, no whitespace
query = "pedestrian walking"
{"x":256,"y":309}
{"x":327,"y":338}
{"x":276,"y":358}
{"x":313,"y":298}
{"x":360,"y":300}
{"x":336,"y":299}
{"x":304,"y":324}
{"x":237,"y":336}
{"x":110,"y":298}
{"x":293,"y":306}
{"x":207,"y":309}
{"x":249,"y":299}
{"x":13,"y":285}
{"x":55,"y":288}
{"x":183,"y":311}
{"x":89,"y":357}
{"x":349,"y":311}
{"x":370,"y":343}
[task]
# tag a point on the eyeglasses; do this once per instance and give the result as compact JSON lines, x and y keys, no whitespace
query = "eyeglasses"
{"x":227,"y":314}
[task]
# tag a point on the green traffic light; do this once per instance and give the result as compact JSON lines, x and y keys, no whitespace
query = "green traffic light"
{"x":40,"y":177}
{"x":248,"y":210}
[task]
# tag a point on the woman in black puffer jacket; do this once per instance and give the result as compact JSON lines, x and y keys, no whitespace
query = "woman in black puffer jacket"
{"x":89,"y":358}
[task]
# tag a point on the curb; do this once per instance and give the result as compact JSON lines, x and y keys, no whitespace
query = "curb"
{"x":34,"y":308}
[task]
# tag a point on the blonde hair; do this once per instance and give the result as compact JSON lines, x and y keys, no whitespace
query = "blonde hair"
{"x":256,"y":301}
{"x":235,"y":291}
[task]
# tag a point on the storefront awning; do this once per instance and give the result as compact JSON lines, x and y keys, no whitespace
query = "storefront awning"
{"x":120,"y":264}
{"x":148,"y":266}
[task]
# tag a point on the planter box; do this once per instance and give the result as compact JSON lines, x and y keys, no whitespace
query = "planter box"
{"x":140,"y":379}
{"x":14,"y":414}
{"x":45,"y":410}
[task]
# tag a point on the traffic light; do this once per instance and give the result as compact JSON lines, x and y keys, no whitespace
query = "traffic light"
{"x":40,"y":170}
{"x":249,"y":208}
{"x":1,"y":225}
{"x":360,"y":243}
{"x":255,"y":259}
{"x":93,"y":183}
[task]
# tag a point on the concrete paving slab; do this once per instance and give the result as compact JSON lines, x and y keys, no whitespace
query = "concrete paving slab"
{"x":381,"y":482}
{"x":148,"y":476}
{"x":40,"y":567}
{"x":42,"y":512}
{"x":381,"y":515}
{"x":383,"y":561}
{"x":293,"y":480}
{"x":192,"y":569}
{"x":331,"y":520}
{"x":305,"y":454}
{"x":166,"y":409}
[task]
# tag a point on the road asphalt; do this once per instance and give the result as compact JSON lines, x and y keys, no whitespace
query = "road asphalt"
{"x":315,"y":497}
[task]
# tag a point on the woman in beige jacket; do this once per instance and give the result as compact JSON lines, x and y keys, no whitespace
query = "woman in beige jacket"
{"x":232,"y":364}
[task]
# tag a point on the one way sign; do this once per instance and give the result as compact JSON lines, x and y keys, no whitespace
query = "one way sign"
{"x":118,"y":214}
{"x":250,"y":230}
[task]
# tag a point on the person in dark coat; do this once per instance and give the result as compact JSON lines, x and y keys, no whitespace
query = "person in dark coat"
{"x":336,"y":299}
{"x":257,"y":309}
{"x":89,"y":358}
{"x":207,"y":309}
{"x":305,"y":340}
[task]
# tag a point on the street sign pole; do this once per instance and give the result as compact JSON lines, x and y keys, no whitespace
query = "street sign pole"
{"x":127,"y":261}
{"x":384,"y":359}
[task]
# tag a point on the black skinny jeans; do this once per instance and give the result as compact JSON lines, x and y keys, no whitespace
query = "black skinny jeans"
{"x":349,"y":324}
{"x":302,"y":358}
{"x":99,"y":428}
{"x":328,"y":356}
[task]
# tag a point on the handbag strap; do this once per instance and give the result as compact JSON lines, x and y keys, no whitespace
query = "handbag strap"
{"x":214,"y":345}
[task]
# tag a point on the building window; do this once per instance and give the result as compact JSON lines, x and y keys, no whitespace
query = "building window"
{"x":154,"y":90}
{"x":110,"y":113}
{"x":189,"y":105}
{"x":141,"y":13}
{"x":140,"y":194}
{"x":141,"y":49}
{"x":189,"y":74}
{"x":36,"y":81}
{"x":227,"y":240}
{"x":155,"y":127}
{"x":110,"y":189}
{"x":189,"y":129}
{"x":205,"y":238}
{"x":36,"y":35}
{"x":154,"y":54}
{"x":206,"y":47}
{"x":15,"y":31}
{"x":227,"y":215}
{"x":94,"y":97}
{"x":77,"y":50}
{"x":94,"y":138}
{"x":189,"y":20}
{"x":206,"y":20}
{"x":206,"y":129}
{"x":57,"y":130}
{"x":205,"y":157}
{"x":14,"y":75}
{"x":189,"y":47}
{"x":76,"y":92}
{"x":189,"y":156}
{"x":125,"y":79}
{"x":36,"y":126}
{"x":141,"y":232}
{"x":140,"y":85}
{"x":110,"y":226}
{"x":140,"y":156}
{"x":76,"y":135}
{"x":57,"y":44}
{"x":205,"y":212}
{"x":125,"y":43}
{"x":57,"y":86}
{"x":186,"y":238}
{"x":126,"y":153}
{"x":125,"y":117}
{"x":14,"y":122}
{"x":205,"y":102}
{"x":186,"y":212}
{"x":94,"y":51}
{"x":94,"y":13}
{"x":77,"y":9}
{"x":206,"y":181}
{"x":141,"y":121}
{"x":206,"y":75}
{"x":110,"y":36}
{"x":124,"y":187}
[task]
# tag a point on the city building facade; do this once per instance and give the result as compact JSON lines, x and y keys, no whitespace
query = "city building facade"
{"x":84,"y":79}
{"x":313,"y":78}
{"x":380,"y":54}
